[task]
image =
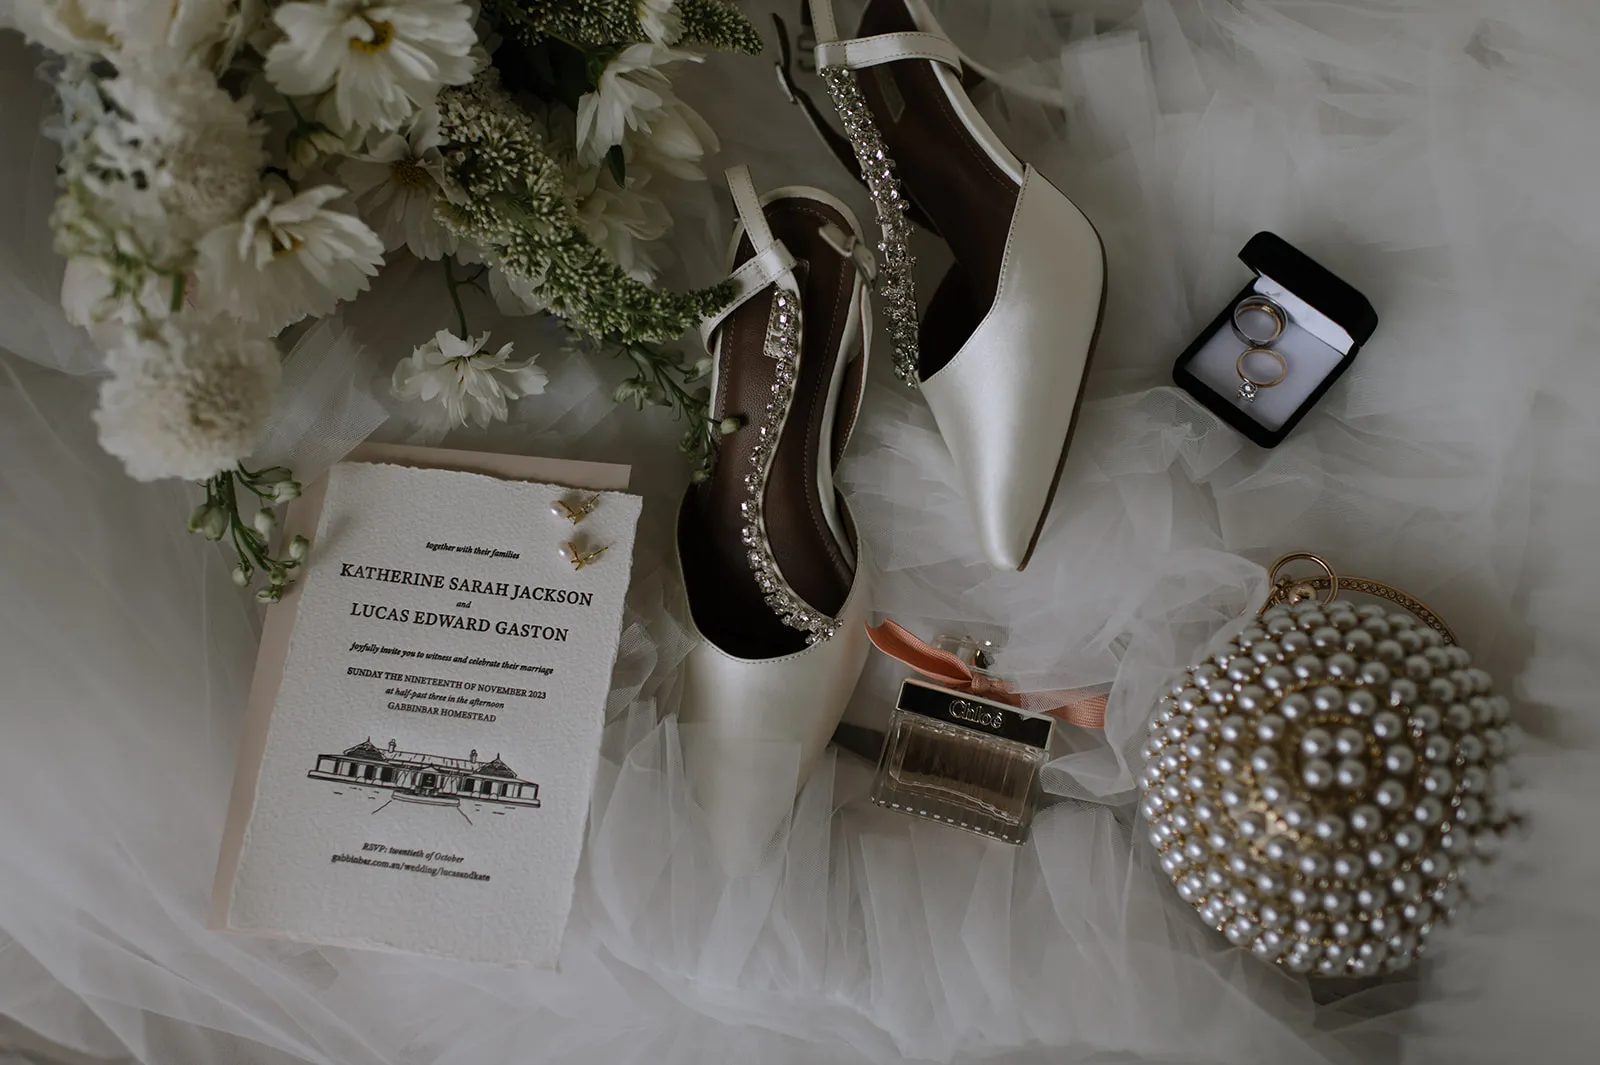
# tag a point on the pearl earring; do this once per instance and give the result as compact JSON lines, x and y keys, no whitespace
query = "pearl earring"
{"x":580,"y":556}
{"x":574,"y":512}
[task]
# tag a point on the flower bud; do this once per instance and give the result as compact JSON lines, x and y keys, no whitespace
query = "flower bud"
{"x":728,"y":426}
{"x":298,"y":548}
{"x":199,"y":516}
{"x":264,"y":521}
{"x":215,"y":525}
{"x":241,"y":575}
{"x":700,"y":477}
{"x":702,"y":368}
{"x":303,"y":150}
{"x":286,"y":490}
{"x":269,"y":594}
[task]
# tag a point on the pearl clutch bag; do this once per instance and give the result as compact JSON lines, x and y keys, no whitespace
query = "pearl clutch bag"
{"x":1322,"y":790}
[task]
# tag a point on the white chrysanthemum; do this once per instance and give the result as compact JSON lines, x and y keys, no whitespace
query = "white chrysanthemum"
{"x":395,"y":183}
{"x":679,"y":138}
{"x":624,"y":222}
{"x":287,"y":260}
{"x":382,"y":59}
{"x":126,"y":28}
{"x":189,"y":400}
{"x":513,"y":295}
{"x":186,"y":157}
{"x":460,"y":380}
{"x":633,"y":96}
{"x":662,"y":22}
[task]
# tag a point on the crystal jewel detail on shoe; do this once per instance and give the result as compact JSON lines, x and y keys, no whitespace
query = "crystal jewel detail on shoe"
{"x":782,"y":346}
{"x":896,"y":289}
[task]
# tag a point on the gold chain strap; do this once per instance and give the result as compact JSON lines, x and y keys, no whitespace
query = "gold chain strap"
{"x":1295,"y":589}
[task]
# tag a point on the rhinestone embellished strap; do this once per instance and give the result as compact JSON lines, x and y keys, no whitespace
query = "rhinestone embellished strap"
{"x":897,"y":294}
{"x":782,"y":346}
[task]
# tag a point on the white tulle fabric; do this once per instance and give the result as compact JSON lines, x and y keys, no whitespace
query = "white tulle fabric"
{"x":1437,"y":153}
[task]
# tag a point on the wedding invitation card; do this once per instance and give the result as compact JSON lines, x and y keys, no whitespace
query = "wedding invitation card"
{"x":425,"y":724}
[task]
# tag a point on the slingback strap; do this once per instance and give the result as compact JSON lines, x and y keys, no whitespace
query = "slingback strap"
{"x":873,"y":51}
{"x":771,"y":262}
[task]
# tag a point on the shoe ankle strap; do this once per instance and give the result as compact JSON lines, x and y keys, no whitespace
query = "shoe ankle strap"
{"x":859,"y":52}
{"x":771,"y":261}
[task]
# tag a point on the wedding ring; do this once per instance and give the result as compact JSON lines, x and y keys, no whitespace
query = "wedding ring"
{"x":1249,"y":386}
{"x":1259,"y":305}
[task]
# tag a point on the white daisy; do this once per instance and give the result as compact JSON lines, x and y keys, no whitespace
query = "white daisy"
{"x":394,"y":184}
{"x":679,"y":138}
{"x":624,"y":222}
{"x":382,"y":59}
{"x":286,"y":260}
{"x":463,"y":381}
{"x":187,"y":400}
{"x":662,"y":22}
{"x":633,"y":94}
{"x":125,"y":28}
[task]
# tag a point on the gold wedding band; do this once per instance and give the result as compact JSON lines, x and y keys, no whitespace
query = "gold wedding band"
{"x":1250,"y":385}
{"x":1280,"y":319}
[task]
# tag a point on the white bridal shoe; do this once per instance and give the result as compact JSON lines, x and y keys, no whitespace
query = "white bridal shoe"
{"x":772,"y":572}
{"x":1002,"y":351}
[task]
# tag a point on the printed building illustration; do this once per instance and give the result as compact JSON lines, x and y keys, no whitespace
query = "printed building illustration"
{"x":427,"y":778}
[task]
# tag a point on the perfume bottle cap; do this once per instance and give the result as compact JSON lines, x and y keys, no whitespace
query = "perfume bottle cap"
{"x":974,"y":712}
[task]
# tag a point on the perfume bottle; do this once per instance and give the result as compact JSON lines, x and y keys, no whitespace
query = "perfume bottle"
{"x":961,"y":759}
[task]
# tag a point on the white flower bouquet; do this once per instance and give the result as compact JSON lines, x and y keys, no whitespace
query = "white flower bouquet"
{"x":232,"y":167}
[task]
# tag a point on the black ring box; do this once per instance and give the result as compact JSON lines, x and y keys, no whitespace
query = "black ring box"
{"x":1330,"y":308}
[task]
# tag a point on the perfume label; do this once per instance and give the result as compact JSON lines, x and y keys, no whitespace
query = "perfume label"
{"x":971,"y":711}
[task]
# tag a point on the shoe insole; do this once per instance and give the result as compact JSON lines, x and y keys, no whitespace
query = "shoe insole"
{"x":942,"y":167}
{"x":733,"y":612}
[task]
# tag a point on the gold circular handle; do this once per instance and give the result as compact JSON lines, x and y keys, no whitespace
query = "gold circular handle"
{"x":1292,"y":590}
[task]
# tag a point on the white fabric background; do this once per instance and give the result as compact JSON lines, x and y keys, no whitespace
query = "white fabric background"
{"x":1439,"y":154}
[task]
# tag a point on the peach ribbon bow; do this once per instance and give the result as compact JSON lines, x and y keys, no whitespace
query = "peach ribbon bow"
{"x":1075,"y":707}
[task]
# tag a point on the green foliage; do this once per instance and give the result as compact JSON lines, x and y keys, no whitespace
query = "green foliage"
{"x":510,"y":201}
{"x":587,"y":23}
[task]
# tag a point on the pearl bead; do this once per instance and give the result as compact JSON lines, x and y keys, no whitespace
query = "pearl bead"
{"x":1242,"y":900}
{"x":1205,"y":811}
{"x":1371,"y":897}
{"x":1309,"y":928}
{"x":1294,"y":643}
{"x":1204,"y":674}
{"x":1458,"y":657}
{"x":1375,"y":673}
{"x":1227,"y":761}
{"x":1474,"y":779}
{"x":1341,"y":665}
{"x":1270,"y":728}
{"x":1416,"y":913}
{"x":1241,"y":669}
{"x":1329,"y":828}
{"x":1430,"y":638}
{"x":1317,"y":774}
{"x":1311,"y":620}
{"x":1219,"y":840}
{"x":1438,"y":749}
{"x":1389,"y":795}
{"x":1346,"y":932}
{"x":1277,"y":678}
{"x":1336,"y":904}
{"x":1369,"y":611}
{"x":1171,"y":862}
{"x":1434,"y":866}
{"x":1327,"y":699}
{"x":1341,"y":618}
{"x":1389,"y":651}
{"x":1402,"y":692}
{"x":1273,"y":917}
{"x":1361,"y":703}
{"x":1231,"y":728}
{"x":1265,"y":652}
{"x":1408,"y":838}
{"x":1268,"y":946}
{"x":1152,"y":806}
{"x":1231,"y":795}
{"x":1298,"y":963}
{"x":1386,"y":725}
{"x":1417,"y":668}
{"x":1251,"y":635}
{"x":1441,"y":690}
{"x":1365,"y":819}
{"x":1350,"y":774}
{"x":1294,"y":706}
{"x":1359,"y":642}
{"x":1277,"y":850}
{"x":1382,"y":857}
{"x":1188,"y":893}
{"x":1216,"y":877}
{"x":1264,"y":761}
{"x":1316,"y":742}
{"x":1178,"y":729}
{"x":1275,"y":790}
{"x":1197,"y":748}
{"x":1251,"y":825}
{"x":1251,"y":698}
{"x":1429,"y":811}
{"x":1437,"y":658}
{"x":1425,"y":718}
{"x":1194,"y":850}
{"x":1399,"y":759}
{"x":1308,"y":667}
{"x":1180,"y":819}
{"x":1326,"y":638}
{"x":1313,"y":864}
{"x":1173,"y":791}
{"x":1406,"y":886}
{"x":1269,"y":884}
{"x":1409,"y":640}
{"x":1242,"y":932}
{"x":1470,"y":748}
{"x":1383,"y":924}
{"x":1438,"y":781}
{"x":1347,"y":867}
{"x":1459,"y":717}
{"x":566,"y":552}
{"x":1470,"y":812}
{"x":1204,"y":717}
{"x":1348,"y":742}
{"x":1299,"y":897}
{"x":1277,"y":626}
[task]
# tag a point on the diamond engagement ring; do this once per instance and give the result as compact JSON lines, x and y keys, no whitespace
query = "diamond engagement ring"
{"x":1249,"y":386}
{"x":1258,"y":307}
